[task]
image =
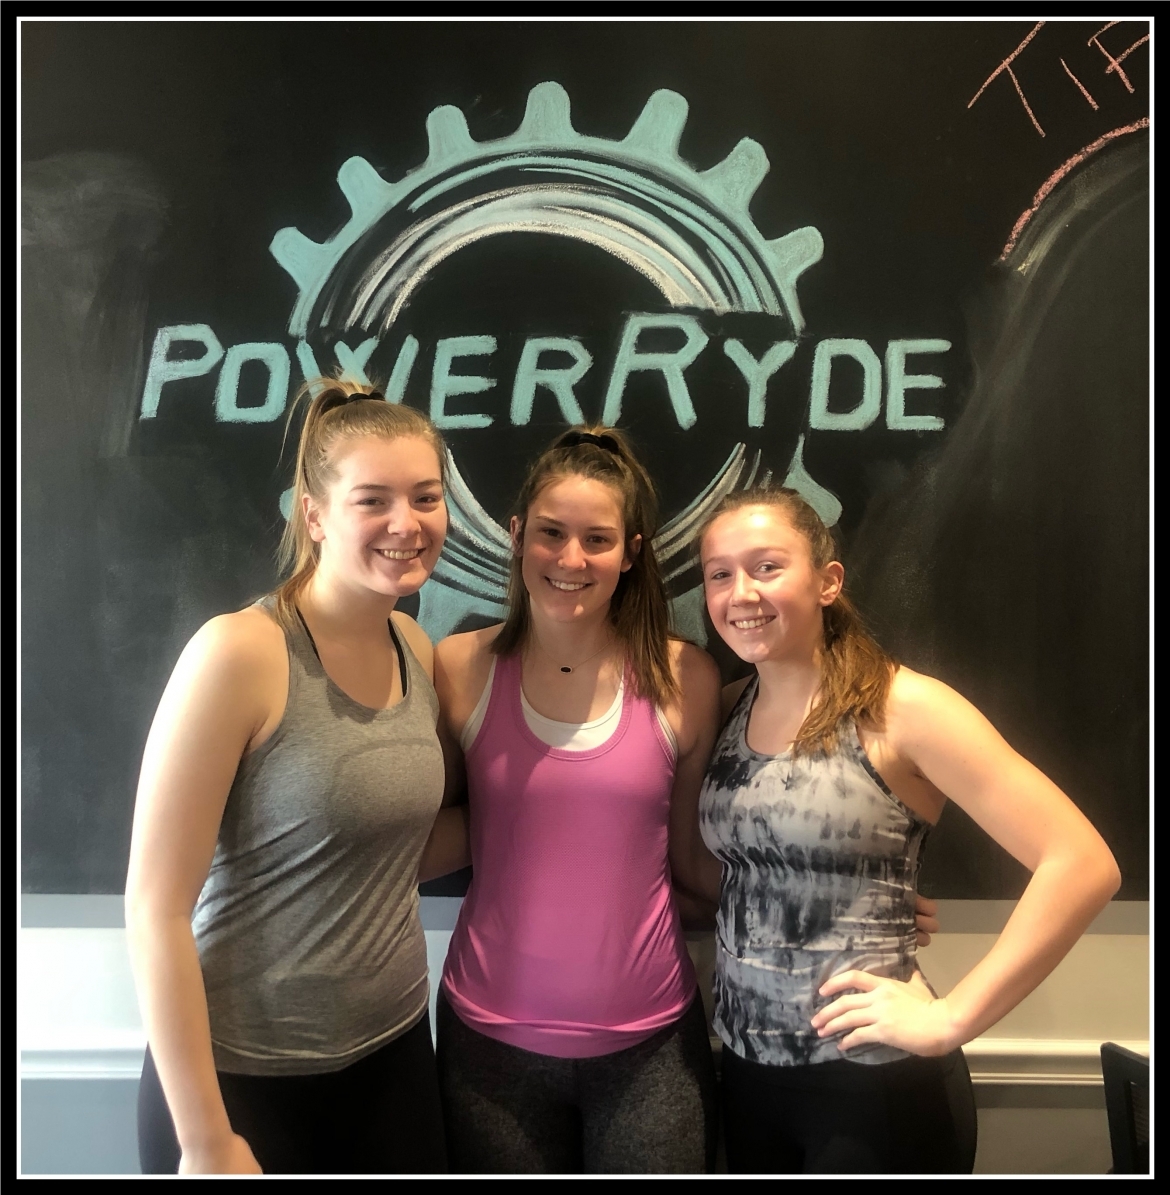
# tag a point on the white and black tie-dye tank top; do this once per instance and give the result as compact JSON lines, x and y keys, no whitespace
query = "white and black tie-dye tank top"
{"x":820,"y":868}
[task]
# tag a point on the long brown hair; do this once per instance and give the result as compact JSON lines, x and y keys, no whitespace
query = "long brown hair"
{"x":856,"y":672}
{"x":338,"y":409}
{"x":638,"y":611}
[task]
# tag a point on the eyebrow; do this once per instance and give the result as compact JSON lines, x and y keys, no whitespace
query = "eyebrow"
{"x":419,"y":485}
{"x":772,"y":551}
{"x":558,"y":523}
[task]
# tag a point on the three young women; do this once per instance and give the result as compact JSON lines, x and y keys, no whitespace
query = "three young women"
{"x":826,"y":778}
{"x":286,"y":811}
{"x":288,"y":1029}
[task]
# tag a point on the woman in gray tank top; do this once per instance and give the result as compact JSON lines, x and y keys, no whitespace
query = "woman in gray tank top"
{"x":286,"y":812}
{"x":822,"y":788}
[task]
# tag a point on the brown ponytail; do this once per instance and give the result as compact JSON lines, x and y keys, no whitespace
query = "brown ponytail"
{"x":638,"y":611}
{"x":338,"y":409}
{"x":856,"y":672}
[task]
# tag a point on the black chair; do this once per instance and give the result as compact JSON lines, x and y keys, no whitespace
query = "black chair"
{"x":1127,"y":1104}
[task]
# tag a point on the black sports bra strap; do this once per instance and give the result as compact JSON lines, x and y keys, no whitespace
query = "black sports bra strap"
{"x":402,"y":671}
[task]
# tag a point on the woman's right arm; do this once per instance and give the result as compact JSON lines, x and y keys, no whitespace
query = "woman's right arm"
{"x":695,"y":872}
{"x":216,"y":704}
{"x":462,"y":663}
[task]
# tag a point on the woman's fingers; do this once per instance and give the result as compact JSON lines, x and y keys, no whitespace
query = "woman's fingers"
{"x":862,"y":981}
{"x":844,"y":1004}
{"x":859,"y":1037}
{"x":853,"y":1019}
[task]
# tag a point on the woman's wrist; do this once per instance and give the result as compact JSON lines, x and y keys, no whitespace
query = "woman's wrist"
{"x":956,"y":1029}
{"x":212,"y":1133}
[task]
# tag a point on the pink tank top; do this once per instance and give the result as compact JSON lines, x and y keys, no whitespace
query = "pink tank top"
{"x":568,"y":942}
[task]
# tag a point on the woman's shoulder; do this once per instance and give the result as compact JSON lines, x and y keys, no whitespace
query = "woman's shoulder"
{"x":921,"y":708}
{"x":233,"y":654}
{"x":913,"y":693}
{"x":696,"y":676}
{"x":247,"y":636}
{"x":467,"y":654}
{"x":462,"y":665}
{"x":468,"y":644}
{"x":732,"y":693}
{"x":691,"y":664}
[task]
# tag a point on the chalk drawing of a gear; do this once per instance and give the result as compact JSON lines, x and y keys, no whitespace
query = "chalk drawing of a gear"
{"x":688,"y":232}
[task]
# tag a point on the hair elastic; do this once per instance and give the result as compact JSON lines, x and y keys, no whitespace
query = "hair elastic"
{"x":572,"y":439}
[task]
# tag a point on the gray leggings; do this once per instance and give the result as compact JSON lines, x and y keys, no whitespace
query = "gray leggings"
{"x":649,"y":1109}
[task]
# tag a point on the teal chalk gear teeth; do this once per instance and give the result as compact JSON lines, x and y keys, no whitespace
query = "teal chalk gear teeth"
{"x":689,"y":232}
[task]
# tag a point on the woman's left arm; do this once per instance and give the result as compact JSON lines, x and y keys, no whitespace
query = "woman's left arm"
{"x":448,"y":847}
{"x":1073,"y":877}
{"x":695,"y":722}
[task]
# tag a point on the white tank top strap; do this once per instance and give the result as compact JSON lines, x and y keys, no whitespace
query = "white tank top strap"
{"x":471,"y":728}
{"x":564,"y":736}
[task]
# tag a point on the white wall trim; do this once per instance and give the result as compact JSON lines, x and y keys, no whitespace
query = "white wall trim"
{"x":1035,"y":1062}
{"x":1002,"y":1061}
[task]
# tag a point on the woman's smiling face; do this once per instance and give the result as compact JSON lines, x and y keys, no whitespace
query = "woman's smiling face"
{"x":764,"y":593}
{"x":384,"y":520}
{"x":573,"y":550}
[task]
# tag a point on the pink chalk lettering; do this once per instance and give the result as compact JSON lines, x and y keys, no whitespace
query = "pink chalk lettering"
{"x":1006,"y":65}
{"x":1115,"y":63}
{"x":1081,"y":87}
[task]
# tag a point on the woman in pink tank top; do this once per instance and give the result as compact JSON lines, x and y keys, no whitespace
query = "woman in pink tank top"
{"x":571,"y":1036}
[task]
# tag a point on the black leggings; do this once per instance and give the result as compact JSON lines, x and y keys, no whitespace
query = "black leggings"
{"x":648,"y":1109}
{"x":379,"y":1115}
{"x":913,"y":1116}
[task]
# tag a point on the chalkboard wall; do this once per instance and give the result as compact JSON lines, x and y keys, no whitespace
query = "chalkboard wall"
{"x":901,"y":265}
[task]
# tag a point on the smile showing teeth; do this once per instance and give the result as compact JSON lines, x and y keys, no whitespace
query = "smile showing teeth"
{"x":566,"y":586}
{"x":395,"y":554}
{"x":749,"y":624}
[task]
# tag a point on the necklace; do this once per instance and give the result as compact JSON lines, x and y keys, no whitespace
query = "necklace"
{"x":566,"y":668}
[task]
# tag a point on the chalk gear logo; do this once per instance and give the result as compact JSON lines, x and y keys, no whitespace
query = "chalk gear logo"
{"x":688,"y":232}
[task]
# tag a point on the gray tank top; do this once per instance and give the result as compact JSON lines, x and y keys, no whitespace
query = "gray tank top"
{"x":308,"y":930}
{"x":820,"y":870}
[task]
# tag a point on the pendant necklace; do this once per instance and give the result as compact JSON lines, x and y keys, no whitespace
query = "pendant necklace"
{"x":567,"y":669}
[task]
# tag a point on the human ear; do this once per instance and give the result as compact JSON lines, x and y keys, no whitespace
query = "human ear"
{"x":311,"y":513}
{"x":633,"y":547}
{"x":832,"y":579}
{"x":516,"y":531}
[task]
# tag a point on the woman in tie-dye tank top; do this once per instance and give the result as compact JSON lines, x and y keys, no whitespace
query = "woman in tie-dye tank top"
{"x":829,"y":772}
